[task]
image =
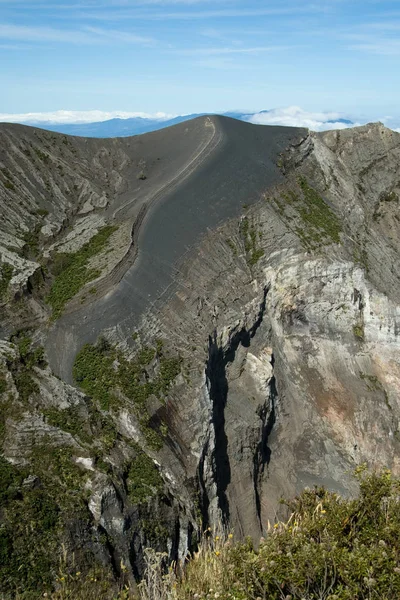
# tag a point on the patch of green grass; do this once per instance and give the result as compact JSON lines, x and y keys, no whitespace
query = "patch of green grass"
{"x":21,"y":367}
{"x":72,"y":273}
{"x":232,"y":246}
{"x":6,"y":272}
{"x":71,"y":420}
{"x":102,"y":370}
{"x":60,"y":474}
{"x":29,"y":519}
{"x":31,"y":248}
{"x":8,"y":182}
{"x":317,"y":224}
{"x":248,"y":232}
{"x":41,"y":155}
{"x":143,"y":478}
{"x":317,"y":215}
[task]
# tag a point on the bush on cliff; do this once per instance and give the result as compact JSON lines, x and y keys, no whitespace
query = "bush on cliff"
{"x":330,"y":548}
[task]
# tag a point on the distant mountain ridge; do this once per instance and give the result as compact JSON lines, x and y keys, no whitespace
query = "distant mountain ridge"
{"x":118,"y":127}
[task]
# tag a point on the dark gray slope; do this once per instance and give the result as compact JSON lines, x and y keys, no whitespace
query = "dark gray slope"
{"x":237,"y":171}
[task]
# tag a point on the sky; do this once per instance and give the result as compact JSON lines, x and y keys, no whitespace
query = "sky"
{"x":339,"y":58}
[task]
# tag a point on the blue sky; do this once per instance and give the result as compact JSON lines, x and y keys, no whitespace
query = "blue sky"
{"x":182,"y":56}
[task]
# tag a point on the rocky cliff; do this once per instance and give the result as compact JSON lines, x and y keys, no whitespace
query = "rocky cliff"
{"x":195,"y":323}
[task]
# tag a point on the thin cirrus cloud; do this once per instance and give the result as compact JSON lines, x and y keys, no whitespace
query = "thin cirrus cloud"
{"x":84,"y":35}
{"x":221,"y":13}
{"x":384,"y":47}
{"x":229,"y":50}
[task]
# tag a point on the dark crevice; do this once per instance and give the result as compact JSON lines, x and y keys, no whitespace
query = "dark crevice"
{"x":262,"y":456}
{"x":203,"y":495}
{"x":218,"y":390}
{"x":174,"y":552}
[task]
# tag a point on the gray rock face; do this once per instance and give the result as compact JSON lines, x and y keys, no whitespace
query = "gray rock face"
{"x":286,"y":317}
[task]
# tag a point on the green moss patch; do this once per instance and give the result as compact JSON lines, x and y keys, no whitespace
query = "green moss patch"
{"x":72,"y":272}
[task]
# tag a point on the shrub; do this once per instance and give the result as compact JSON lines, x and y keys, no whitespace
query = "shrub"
{"x":6,"y":273}
{"x":71,"y":270}
{"x":143,"y":478}
{"x":22,"y":365}
{"x":101,"y":370}
{"x":330,"y":547}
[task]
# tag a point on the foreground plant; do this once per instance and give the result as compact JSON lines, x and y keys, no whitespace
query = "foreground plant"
{"x":330,"y":548}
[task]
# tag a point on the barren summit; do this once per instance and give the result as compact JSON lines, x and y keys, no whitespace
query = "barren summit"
{"x":194,"y":322}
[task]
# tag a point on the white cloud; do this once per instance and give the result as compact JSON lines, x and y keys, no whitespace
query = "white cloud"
{"x":230,"y":50}
{"x":85,"y":35}
{"x":213,"y":13}
{"x":78,"y":116}
{"x":293,"y":116}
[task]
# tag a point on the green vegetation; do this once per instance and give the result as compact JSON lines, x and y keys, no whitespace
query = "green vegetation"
{"x":41,"y":155}
{"x":71,"y":270}
{"x":21,"y":366}
{"x":143,"y":478}
{"x":330,"y":547}
{"x":318,"y":225}
{"x":8,"y":182}
{"x":103,"y":372}
{"x":6,"y":272}
{"x":42,"y":212}
{"x":360,"y":254}
{"x":317,"y":215}
{"x":9,"y":409}
{"x":31,"y":239}
{"x":249,"y":235}
{"x":36,"y":507}
{"x":232,"y":246}
{"x":374,"y":385}
{"x":389,"y":197}
{"x":358,"y":331}
{"x":70,"y":420}
{"x":60,"y":475}
{"x":9,"y":185}
{"x":27,"y":534}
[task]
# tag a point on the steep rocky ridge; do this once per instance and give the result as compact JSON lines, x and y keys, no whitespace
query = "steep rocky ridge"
{"x":284,"y":315}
